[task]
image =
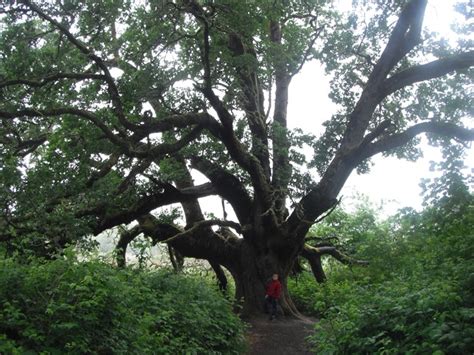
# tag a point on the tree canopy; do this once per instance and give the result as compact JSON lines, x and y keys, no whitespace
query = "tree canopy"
{"x":108,"y":106}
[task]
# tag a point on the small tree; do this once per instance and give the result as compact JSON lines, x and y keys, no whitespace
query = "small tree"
{"x":107,"y":107}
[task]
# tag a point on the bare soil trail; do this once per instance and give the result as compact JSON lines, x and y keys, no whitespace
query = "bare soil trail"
{"x":282,"y":336}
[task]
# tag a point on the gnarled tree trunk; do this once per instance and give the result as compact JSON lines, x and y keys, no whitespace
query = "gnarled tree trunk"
{"x":253,"y":272}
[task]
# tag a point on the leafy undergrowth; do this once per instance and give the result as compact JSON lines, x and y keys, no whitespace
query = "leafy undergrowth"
{"x":90,"y":307}
{"x":417,"y":295}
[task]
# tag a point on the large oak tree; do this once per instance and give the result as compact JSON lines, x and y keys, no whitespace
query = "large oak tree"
{"x":107,"y":108}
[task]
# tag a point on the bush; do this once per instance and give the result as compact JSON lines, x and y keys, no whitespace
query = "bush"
{"x":416,"y":296}
{"x":398,"y":316}
{"x":89,"y":307}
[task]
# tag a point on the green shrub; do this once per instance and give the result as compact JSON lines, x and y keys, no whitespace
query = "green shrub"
{"x":398,"y":316}
{"x":89,"y":307}
{"x":303,"y":291}
{"x":415,"y":297}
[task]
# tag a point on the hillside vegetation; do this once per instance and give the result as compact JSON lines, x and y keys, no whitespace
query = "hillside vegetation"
{"x":417,"y":294}
{"x":53,"y":307}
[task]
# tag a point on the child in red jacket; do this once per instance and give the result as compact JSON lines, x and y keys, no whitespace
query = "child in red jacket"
{"x":272,"y":295}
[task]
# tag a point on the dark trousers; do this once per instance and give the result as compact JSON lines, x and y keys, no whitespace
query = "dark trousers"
{"x":271,"y":305}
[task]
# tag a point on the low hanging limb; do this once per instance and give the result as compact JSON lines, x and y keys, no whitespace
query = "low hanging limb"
{"x":125,"y":238}
{"x":221,"y":278}
{"x":203,"y":224}
{"x":166,"y":195}
{"x":128,"y":235}
{"x":313,"y":255}
{"x":224,"y":212}
{"x":176,"y":258}
{"x":314,"y":260}
{"x":335,"y":253}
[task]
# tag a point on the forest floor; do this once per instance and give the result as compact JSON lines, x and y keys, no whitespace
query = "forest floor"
{"x":282,"y":336}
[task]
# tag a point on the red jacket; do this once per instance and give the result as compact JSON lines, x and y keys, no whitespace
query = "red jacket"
{"x":274,"y":289}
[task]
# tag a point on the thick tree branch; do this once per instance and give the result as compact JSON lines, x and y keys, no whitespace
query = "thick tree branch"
{"x":105,"y":168}
{"x":199,"y":244}
{"x":148,"y":203}
{"x":239,"y":153}
{"x":404,"y":37}
{"x":220,"y":275}
{"x":195,"y":8}
{"x":377,"y":132}
{"x":320,"y":199}
{"x":343,"y":258}
{"x":144,"y":151}
{"x":427,"y":71}
{"x":281,"y":145}
{"x":314,"y":259}
{"x":354,"y":146}
{"x":335,"y":253}
{"x":203,"y":224}
{"x":183,"y":179}
{"x":224,"y":115}
{"x":253,"y":101}
{"x":246,"y":160}
{"x":398,"y":139}
{"x":126,"y":236}
{"x":314,"y":204}
{"x":27,"y":146}
{"x":177,"y":121}
{"x":227,"y":185}
{"x":137,"y":169}
{"x":193,"y":214}
{"x":177,"y":260}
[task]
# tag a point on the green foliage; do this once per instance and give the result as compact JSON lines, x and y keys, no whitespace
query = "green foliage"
{"x":417,"y":294}
{"x":89,"y":307}
{"x":350,"y":232}
{"x":62,"y":170}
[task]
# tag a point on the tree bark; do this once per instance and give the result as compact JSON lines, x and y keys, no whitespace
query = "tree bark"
{"x":220,"y":275}
{"x":252,"y":274}
{"x":314,"y":260}
{"x":176,"y":259}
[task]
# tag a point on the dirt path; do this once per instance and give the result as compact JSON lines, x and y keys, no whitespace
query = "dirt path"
{"x":283,"y":336}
